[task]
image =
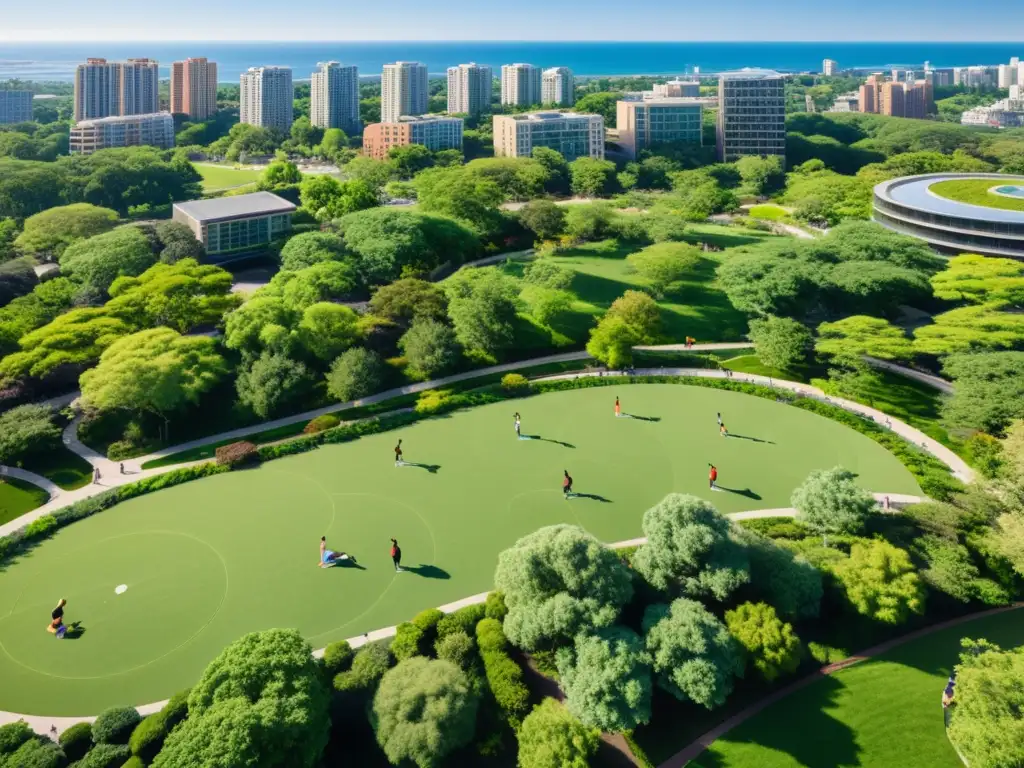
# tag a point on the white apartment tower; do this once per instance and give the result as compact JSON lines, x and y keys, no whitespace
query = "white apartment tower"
{"x":267,"y":97}
{"x":105,"y":89}
{"x":403,"y":90}
{"x":469,"y":89}
{"x":830,"y":67}
{"x":334,"y":97}
{"x":557,"y":86}
{"x":520,"y":84}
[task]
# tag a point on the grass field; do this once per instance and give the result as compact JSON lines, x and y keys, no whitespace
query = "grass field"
{"x":768,"y":212}
{"x":207,"y":561}
{"x":976,"y":192}
{"x":18,"y":497}
{"x":63,"y":467}
{"x":881,"y":713}
{"x":217,"y":178}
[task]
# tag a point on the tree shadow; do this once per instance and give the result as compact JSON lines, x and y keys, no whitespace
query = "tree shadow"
{"x":752,"y":439}
{"x":548,"y":440}
{"x":745,"y":492}
{"x":594,"y":496}
{"x":427,"y":571}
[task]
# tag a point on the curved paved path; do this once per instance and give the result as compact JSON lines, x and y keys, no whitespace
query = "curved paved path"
{"x":693,"y":750}
{"x":31,"y":477}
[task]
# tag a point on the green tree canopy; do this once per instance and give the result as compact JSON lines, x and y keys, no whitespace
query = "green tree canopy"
{"x":482,"y":307}
{"x":278,"y":174}
{"x":262,"y":321}
{"x":690,"y":549}
{"x":881,"y":582}
{"x":304,"y":287}
{"x":988,"y":392}
{"x":272,"y":383}
{"x":99,"y":260}
{"x":326,"y":329}
{"x":607,"y":679}
{"x":326,"y":198}
{"x":694,"y":657}
{"x":410,"y":159}
{"x":542,"y":217}
{"x":467,"y":197}
{"x":640,"y":312}
{"x":556,"y":167}
{"x":786,"y":580}
{"x":178,"y":242}
{"x":309,"y":248}
{"x":771,"y":644}
{"x":46,"y":234}
{"x":558,"y":581}
{"x":612,"y":341}
{"x":424,"y":710}
{"x":355,"y":374}
{"x":409,"y":299}
{"x":518,"y":178}
{"x":590,"y":221}
{"x":552,"y":738}
{"x":975,"y":328}
{"x":830,"y":501}
{"x":981,"y":280}
{"x":664,"y":265}
{"x":780,"y":342}
{"x":591,"y":177}
{"x":25,"y":431}
{"x":762,"y":175}
{"x":430,"y":348}
{"x":863,"y":335}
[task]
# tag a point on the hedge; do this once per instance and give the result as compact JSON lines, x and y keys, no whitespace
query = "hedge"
{"x":105,"y":756}
{"x":457,"y":648}
{"x":462,"y":620}
{"x":176,"y":708}
{"x":338,"y":657}
{"x":504,"y":676}
{"x":321,"y":423}
{"x":495,"y":607}
{"x":237,"y":454}
{"x":115,"y":725}
{"x":76,"y":741}
{"x":408,"y":638}
{"x":368,"y":667}
{"x":13,"y":735}
{"x":148,"y":737}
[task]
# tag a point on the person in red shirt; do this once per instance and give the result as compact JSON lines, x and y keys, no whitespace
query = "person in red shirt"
{"x":713,"y":477}
{"x":566,"y":483}
{"x":396,"y":555}
{"x":618,"y":408}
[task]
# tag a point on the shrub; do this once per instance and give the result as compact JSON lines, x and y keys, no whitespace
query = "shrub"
{"x":504,"y":676}
{"x":826,"y":654}
{"x":338,"y":657}
{"x":176,"y":708}
{"x":41,"y":526}
{"x":407,"y":642}
{"x":76,"y":741}
{"x":515,"y":384}
{"x":427,"y":621}
{"x":458,"y":648}
{"x":776,"y":527}
{"x":771,"y":644}
{"x":880,"y":582}
{"x":237,"y":454}
{"x":462,"y":620}
{"x":831,"y":502}
{"x":356,"y":373}
{"x":148,"y":737}
{"x":495,"y":607}
{"x":115,"y":725}
{"x":13,"y":735}
{"x":105,"y":756}
{"x":122,"y":449}
{"x":134,"y":762}
{"x":368,"y":667}
{"x":320,"y":423}
{"x":37,"y":752}
{"x":552,"y":738}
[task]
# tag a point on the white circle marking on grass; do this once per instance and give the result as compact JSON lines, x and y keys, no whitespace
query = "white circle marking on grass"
{"x":120,"y":589}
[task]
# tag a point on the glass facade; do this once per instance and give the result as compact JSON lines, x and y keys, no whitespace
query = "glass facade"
{"x":241,"y":234}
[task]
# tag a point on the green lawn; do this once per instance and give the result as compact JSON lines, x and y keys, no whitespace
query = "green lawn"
{"x":976,"y":192}
{"x":878,"y":714}
{"x":210,"y":560}
{"x":63,"y":467}
{"x":18,"y":497}
{"x":768,"y":212}
{"x":217,"y":178}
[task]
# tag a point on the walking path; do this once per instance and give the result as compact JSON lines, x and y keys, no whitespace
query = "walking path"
{"x":31,"y":477}
{"x":693,"y":750}
{"x":935,"y":382}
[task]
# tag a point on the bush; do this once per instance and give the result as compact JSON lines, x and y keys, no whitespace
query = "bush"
{"x":458,"y":648}
{"x":880,"y":582}
{"x":176,"y":708}
{"x":358,"y":372}
{"x":462,"y":620}
{"x":41,"y":526}
{"x":134,"y":762}
{"x":427,"y":621}
{"x":407,"y":642}
{"x":37,"y":752}
{"x":13,"y":735}
{"x":368,"y":667}
{"x":771,"y":644}
{"x":826,"y":654}
{"x":515,"y":384}
{"x":237,"y":454}
{"x":115,"y":725}
{"x":338,"y":657}
{"x":504,"y":676}
{"x":320,"y":423}
{"x":76,"y":741}
{"x":105,"y":756}
{"x":552,"y":738}
{"x":495,"y":607}
{"x":148,"y":737}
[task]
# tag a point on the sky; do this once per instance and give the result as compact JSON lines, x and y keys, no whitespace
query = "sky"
{"x":252,"y":20}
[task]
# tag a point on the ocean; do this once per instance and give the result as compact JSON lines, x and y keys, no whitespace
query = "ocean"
{"x":56,"y":61}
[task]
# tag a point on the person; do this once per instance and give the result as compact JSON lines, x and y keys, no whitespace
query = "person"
{"x":566,"y":483}
{"x":722,"y":430}
{"x":713,"y":477}
{"x":618,"y":408}
{"x":885,"y":503}
{"x":396,"y":555}
{"x":121,"y":467}
{"x":96,"y":475}
{"x":56,"y":626}
{"x":719,"y":415}
{"x":516,"y":417}
{"x":328,"y":558}
{"x":398,"y":454}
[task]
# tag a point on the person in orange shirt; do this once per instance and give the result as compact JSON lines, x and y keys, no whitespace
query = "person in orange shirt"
{"x":713,"y":477}
{"x":618,"y":408}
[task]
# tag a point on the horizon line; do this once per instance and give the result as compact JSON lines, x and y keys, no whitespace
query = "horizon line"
{"x":55,"y":41}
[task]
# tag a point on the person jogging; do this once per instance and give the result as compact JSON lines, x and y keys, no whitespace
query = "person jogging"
{"x":719,"y":416}
{"x":713,"y":477}
{"x":722,"y":430}
{"x":517,"y":421}
{"x":566,"y":483}
{"x":398,"y":454}
{"x":618,"y":408}
{"x":396,"y":555}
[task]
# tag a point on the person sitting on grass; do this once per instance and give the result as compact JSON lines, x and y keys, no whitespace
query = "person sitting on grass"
{"x":56,"y":625}
{"x":329,"y":558}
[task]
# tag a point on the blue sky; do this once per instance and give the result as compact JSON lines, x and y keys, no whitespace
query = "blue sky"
{"x":932,"y":20}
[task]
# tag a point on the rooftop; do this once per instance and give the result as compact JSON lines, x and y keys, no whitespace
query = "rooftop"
{"x":427,"y":118}
{"x":914,"y":192}
{"x":537,"y":117}
{"x":113,"y":119}
{"x":751,"y":73}
{"x":236,"y":206}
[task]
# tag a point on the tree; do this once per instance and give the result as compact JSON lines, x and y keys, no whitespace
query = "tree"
{"x":690,"y":549}
{"x":830,"y":501}
{"x":272,"y":383}
{"x":455,"y":192}
{"x":548,"y":304}
{"x":482,"y":309}
{"x":355,"y":374}
{"x":278,"y":174}
{"x":975,"y":328}
{"x":316,"y":193}
{"x":986,"y":724}
{"x":606,"y":679}
{"x":77,"y":337}
{"x":25,"y":431}
{"x":552,"y":738}
{"x":600,"y":103}
{"x":326,"y":330}
{"x":988,"y":392}
{"x":262,"y":702}
{"x":309,"y":248}
{"x":99,"y":260}
{"x":326,"y":198}
{"x":17,"y":278}
{"x":376,"y":173}
{"x":559,"y":581}
{"x":423,"y":711}
{"x":305,"y":134}
{"x":664,"y":265}
{"x":178,"y":242}
{"x":37,"y":752}
{"x":771,"y":644}
{"x":156,"y":371}
{"x":612,"y":341}
{"x":542,"y":217}
{"x":859,"y":335}
{"x":334,"y":141}
{"x":762,"y":175}
{"x":181,"y":296}
{"x":980,"y":280}
{"x":518,"y":178}
{"x":8,"y":233}
{"x":640,"y":312}
{"x":786,"y":580}
{"x":557,"y":169}
{"x":692,"y":653}
{"x":592,"y":221}
{"x":46,"y":234}
{"x":546,"y":273}
{"x":410,"y":159}
{"x":760,"y":283}
{"x":880,"y":582}
{"x":591,"y":177}
{"x":430,"y":348}
{"x":262,"y":321}
{"x":409,"y":299}
{"x":780,"y":342}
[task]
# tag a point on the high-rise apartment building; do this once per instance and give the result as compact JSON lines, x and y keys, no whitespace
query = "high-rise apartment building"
{"x":194,"y":88}
{"x":558,"y":86}
{"x":913,"y":98}
{"x":15,"y":106}
{"x":751,"y":114}
{"x":938,"y":76}
{"x":675,"y":89}
{"x":435,"y":132}
{"x":267,"y":98}
{"x":975,"y":77}
{"x":103,"y":88}
{"x":642,"y":124}
{"x":570,"y":134}
{"x":470,"y":89}
{"x":403,"y":90}
{"x":869,"y":94}
{"x":1007,"y":74}
{"x":830,"y":67}
{"x":520,"y":85}
{"x":155,"y":130}
{"x":334,"y":97}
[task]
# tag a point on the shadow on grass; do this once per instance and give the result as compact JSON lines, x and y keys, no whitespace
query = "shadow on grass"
{"x":594,"y":496}
{"x":744,"y":492}
{"x":752,"y":439}
{"x":548,"y":440}
{"x":427,"y":571}
{"x":643,"y":418}
{"x":431,"y":468}
{"x":75,"y":631}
